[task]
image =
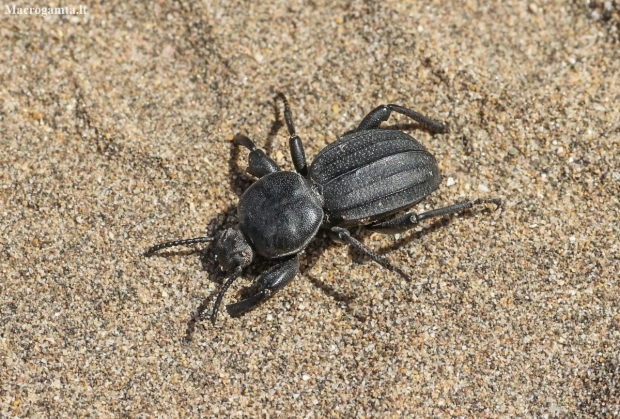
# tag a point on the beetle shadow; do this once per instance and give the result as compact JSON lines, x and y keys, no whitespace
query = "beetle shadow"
{"x":207,"y":262}
{"x":239,"y":181}
{"x":413,"y":234}
{"x":323,"y":241}
{"x":197,"y":316}
{"x":238,"y":178}
{"x":406,"y":238}
{"x":274,"y":128}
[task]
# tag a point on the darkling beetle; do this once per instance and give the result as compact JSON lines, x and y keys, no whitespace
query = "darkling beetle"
{"x":360,"y":179}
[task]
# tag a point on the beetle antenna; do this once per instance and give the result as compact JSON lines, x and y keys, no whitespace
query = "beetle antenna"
{"x":177,"y":243}
{"x":346,"y":236}
{"x":227,"y":284}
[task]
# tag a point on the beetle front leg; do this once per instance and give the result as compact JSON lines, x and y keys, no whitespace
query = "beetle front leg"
{"x":297,"y":148}
{"x":259,"y":164}
{"x":411,"y":219}
{"x":382,"y":113}
{"x":269,"y":282}
{"x":232,"y":278}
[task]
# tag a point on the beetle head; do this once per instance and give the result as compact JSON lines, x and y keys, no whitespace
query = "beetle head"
{"x":232,"y":249}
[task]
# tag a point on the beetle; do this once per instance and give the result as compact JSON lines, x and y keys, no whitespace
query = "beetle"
{"x":361,"y":179}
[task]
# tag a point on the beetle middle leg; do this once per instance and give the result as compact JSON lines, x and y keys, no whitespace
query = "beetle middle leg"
{"x":269,"y":282}
{"x":382,"y":113}
{"x":297,"y":149}
{"x":411,"y":219}
{"x":346,"y":236}
{"x":259,"y":164}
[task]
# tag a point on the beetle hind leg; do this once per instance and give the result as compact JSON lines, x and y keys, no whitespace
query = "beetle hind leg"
{"x":411,"y":219}
{"x":382,"y":113}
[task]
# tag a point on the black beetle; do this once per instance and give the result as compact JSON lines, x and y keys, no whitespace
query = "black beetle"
{"x":360,"y":179}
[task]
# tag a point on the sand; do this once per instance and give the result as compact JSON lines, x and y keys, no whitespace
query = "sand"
{"x":115,"y":131}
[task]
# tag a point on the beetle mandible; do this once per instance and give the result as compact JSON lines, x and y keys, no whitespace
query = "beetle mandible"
{"x":362,"y":178}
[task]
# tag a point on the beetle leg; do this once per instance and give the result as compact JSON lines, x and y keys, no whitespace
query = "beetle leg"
{"x":269,"y":282}
{"x":346,"y":236}
{"x":227,"y":284}
{"x":259,"y":164}
{"x":409,"y":220}
{"x":381,"y":114}
{"x":395,"y":225}
{"x":297,"y":149}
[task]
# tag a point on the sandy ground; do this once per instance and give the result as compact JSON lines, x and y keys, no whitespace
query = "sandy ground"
{"x":115,"y":131}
